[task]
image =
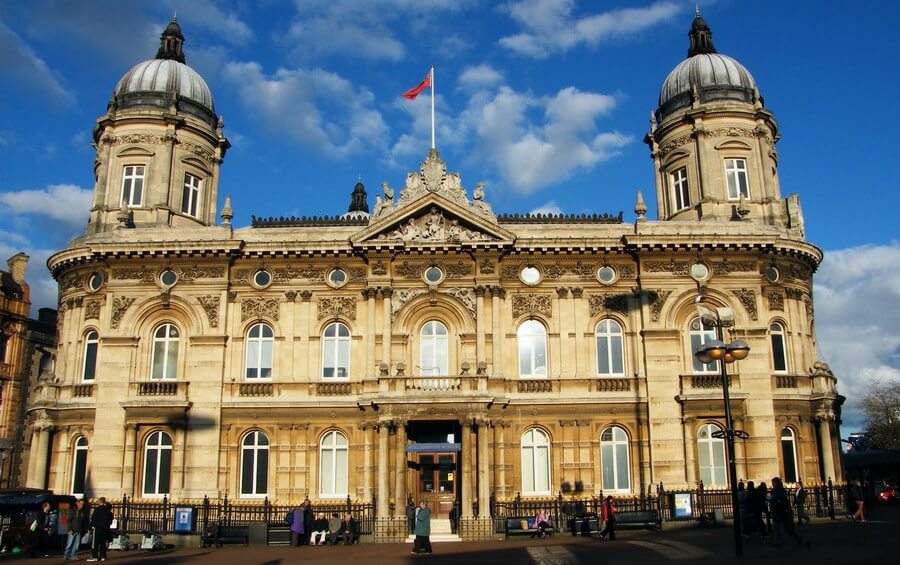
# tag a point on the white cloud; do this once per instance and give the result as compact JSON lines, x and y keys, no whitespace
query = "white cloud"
{"x":479,"y":77}
{"x":317,"y":108}
{"x":550,"y":27}
{"x":550,"y":207}
{"x":21,"y":67}
{"x":63,"y":202}
{"x":857,"y":291}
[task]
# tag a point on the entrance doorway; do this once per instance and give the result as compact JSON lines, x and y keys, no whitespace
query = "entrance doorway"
{"x":434,"y":462}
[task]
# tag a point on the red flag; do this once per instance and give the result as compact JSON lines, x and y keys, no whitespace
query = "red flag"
{"x":413,"y":92}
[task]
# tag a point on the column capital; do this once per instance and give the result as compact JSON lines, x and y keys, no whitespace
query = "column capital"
{"x":498,"y":292}
{"x":386,"y":291}
{"x":562,"y":292}
{"x":480,"y":290}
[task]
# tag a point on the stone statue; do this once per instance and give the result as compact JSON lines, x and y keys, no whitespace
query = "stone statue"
{"x":388,"y":192}
{"x":380,"y":205}
{"x":478,"y":193}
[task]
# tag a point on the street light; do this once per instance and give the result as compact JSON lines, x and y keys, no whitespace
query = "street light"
{"x":715,"y":350}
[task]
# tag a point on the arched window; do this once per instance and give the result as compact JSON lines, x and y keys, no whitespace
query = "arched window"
{"x":535,"y":462}
{"x":91,"y":345}
{"x":79,"y":465}
{"x":165,"y":352}
{"x":260,"y":340}
{"x":434,"y":349}
{"x":336,"y":351}
{"x":614,"y":460}
{"x":532,"y":338}
{"x":255,"y":465}
{"x":789,"y":455}
{"x":711,"y":455}
{"x":779,"y":351}
{"x":157,"y":464}
{"x":333,"y":465}
{"x":610,"y":355}
{"x":700,"y":334}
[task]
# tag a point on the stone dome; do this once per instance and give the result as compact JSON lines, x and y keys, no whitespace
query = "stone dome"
{"x":714,"y":77}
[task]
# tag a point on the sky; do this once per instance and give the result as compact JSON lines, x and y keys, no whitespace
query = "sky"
{"x":545,"y":101}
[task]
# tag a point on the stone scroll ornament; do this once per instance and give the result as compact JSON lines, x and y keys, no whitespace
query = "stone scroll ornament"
{"x":259,"y":308}
{"x":531,"y":304}
{"x":210,"y":304}
{"x":120,"y":306}
{"x":332,"y":307}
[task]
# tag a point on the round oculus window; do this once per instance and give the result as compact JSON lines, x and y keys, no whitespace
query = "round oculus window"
{"x":262,"y":278}
{"x":337,"y":277}
{"x":95,"y":282}
{"x":434,"y":275}
{"x":530,"y":275}
{"x":168,"y":277}
{"x":772,"y":274}
{"x":699,"y":272}
{"x":606,"y":274}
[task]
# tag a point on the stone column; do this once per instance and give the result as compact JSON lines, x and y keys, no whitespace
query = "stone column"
{"x":63,"y":480}
{"x":400,"y":476}
{"x":827,"y":447}
{"x":386,"y":331}
{"x":559,"y":348}
{"x":178,"y":449}
{"x":484,"y":491}
{"x":690,"y":471}
{"x":479,"y":324}
{"x":466,"y":512}
{"x":368,"y":479}
{"x":369,"y":294}
{"x":40,"y":444}
{"x":500,"y":458}
{"x":128,"y":459}
{"x":382,"y":510}
{"x":580,"y":362}
{"x":497,"y":293}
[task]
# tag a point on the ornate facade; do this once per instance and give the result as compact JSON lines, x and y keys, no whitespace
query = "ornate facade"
{"x":431,"y":348}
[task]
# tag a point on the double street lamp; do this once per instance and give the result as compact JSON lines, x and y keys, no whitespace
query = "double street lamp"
{"x":712,"y":351}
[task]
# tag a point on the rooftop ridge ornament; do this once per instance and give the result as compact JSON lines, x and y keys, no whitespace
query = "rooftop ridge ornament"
{"x":170,"y":42}
{"x":701,"y":37}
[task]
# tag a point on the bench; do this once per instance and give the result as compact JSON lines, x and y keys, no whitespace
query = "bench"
{"x":227,"y":534}
{"x":646,"y":519}
{"x":514,"y":526}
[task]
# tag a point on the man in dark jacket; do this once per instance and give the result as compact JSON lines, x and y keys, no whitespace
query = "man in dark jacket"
{"x":101,"y":521}
{"x":349,"y":529}
{"x":307,"y":522}
{"x":44,"y":528}
{"x":78,"y":525}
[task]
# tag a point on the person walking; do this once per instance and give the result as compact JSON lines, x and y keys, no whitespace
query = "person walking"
{"x":78,"y":525}
{"x":782,"y":518}
{"x":856,"y":497}
{"x":800,"y":504}
{"x":294,"y":519}
{"x":761,"y":503}
{"x":422,"y":544}
{"x":101,"y":521}
{"x":608,"y":515}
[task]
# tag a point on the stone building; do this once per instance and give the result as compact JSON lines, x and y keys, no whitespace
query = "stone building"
{"x":431,"y":348}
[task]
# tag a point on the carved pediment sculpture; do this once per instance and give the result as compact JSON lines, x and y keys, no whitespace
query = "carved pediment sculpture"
{"x":433,"y":227}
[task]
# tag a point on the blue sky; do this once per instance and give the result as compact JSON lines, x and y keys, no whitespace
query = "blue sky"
{"x":310,"y":95}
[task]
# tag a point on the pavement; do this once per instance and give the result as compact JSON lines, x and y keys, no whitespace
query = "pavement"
{"x":825,"y":542}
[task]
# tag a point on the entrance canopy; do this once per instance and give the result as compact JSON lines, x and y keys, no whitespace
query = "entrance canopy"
{"x":433,"y":447}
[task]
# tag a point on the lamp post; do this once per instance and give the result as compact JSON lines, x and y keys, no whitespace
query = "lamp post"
{"x":712,"y":351}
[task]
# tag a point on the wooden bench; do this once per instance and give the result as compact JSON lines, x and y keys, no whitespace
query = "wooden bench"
{"x":646,"y":519}
{"x":231,"y":534}
{"x":514,"y":526}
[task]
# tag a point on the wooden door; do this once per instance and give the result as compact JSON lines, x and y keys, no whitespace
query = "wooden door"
{"x":436,"y":482}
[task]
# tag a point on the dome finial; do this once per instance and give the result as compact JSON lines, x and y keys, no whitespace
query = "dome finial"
{"x":358,"y":201}
{"x":701,"y":36}
{"x":171,"y":42}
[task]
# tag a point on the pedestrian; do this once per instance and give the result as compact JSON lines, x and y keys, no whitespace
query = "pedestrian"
{"x":411,"y":515}
{"x":101,"y":521}
{"x":294,"y":519}
{"x":782,"y":517}
{"x":78,"y":526}
{"x":44,"y":528}
{"x":751,"y":524}
{"x":454,"y":517}
{"x":307,"y":521}
{"x":856,"y":497}
{"x":762,"y":506}
{"x":349,"y":529}
{"x":422,"y":544}
{"x":608,"y":515}
{"x":800,"y":504}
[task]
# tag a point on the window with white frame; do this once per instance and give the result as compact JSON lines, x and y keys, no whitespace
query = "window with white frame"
{"x":610,"y":353}
{"x":680,"y":193}
{"x":532,"y":341}
{"x":190,"y":196}
{"x":535,"y":462}
{"x":779,"y":351}
{"x":255,"y":465}
{"x":79,"y":465}
{"x":434,"y":349}
{"x":333,"y":465}
{"x":165,"y":352}
{"x":711,"y":456}
{"x":260,"y":342}
{"x":736,"y":179}
{"x":336,"y":351}
{"x":700,"y":334}
{"x":616,"y":471}
{"x":157,"y":464}
{"x":789,"y":455}
{"x":132,"y":186}
{"x":89,"y":367}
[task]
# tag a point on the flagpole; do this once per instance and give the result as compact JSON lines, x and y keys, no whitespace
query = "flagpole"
{"x":432,"y":106}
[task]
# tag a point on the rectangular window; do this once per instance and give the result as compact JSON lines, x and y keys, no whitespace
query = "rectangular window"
{"x":190,"y":198}
{"x":133,"y":186}
{"x":680,"y":193}
{"x":736,"y":178}
{"x":90,"y":362}
{"x":697,"y":340}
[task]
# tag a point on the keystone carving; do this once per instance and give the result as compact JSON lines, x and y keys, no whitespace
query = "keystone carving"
{"x":531,"y":304}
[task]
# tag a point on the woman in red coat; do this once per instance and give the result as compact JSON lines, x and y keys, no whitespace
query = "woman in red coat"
{"x":608,"y":514}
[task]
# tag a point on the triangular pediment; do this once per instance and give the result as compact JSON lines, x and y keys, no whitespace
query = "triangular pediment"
{"x":433,"y":208}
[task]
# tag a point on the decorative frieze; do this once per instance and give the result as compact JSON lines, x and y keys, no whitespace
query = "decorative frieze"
{"x":599,"y":303}
{"x":659,"y":299}
{"x":335,"y":306}
{"x":727,"y":267}
{"x":674,"y":144}
{"x":199,"y":151}
{"x":92,"y":310}
{"x":259,"y":308}
{"x":135,"y":138}
{"x":672,"y":266}
{"x":142,"y":274}
{"x":408,"y":271}
{"x":776,"y":301}
{"x":433,"y":227}
{"x":531,"y":304}
{"x":794,"y":293}
{"x":290,"y":273}
{"x":120,"y":306}
{"x":186,"y":273}
{"x":68,"y":283}
{"x":747,"y":297}
{"x":357,"y":274}
{"x":210,"y":304}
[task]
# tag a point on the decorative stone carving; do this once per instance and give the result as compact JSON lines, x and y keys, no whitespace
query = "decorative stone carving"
{"x":673,"y":266}
{"x":554,"y":271}
{"x":92,"y":310}
{"x":582,"y":271}
{"x":531,"y":304}
{"x":599,"y":303}
{"x":120,"y":306}
{"x":577,"y":291}
{"x":747,"y":297}
{"x":191,"y":272}
{"x":433,"y":177}
{"x":487,"y":268}
{"x":305,"y":295}
{"x":458,"y":270}
{"x":673,"y":144}
{"x":357,"y":274}
{"x":379,"y":268}
{"x":286,"y":274}
{"x":199,"y":151}
{"x":142,"y":274}
{"x":466,"y":296}
{"x":332,"y":307}
{"x":433,"y":226}
{"x":726,"y":267}
{"x":510,"y":271}
{"x":794,"y":293}
{"x":135,"y":138}
{"x":562,"y":292}
{"x":240,"y":276}
{"x":69,"y":283}
{"x":402,"y":296}
{"x":408,"y":271}
{"x":776,"y":301}
{"x":797,"y":273}
{"x":659,"y":299}
{"x":498,"y":292}
{"x":259,"y":308}
{"x":626,"y":272}
{"x":210,"y":304}
{"x":291,"y":295}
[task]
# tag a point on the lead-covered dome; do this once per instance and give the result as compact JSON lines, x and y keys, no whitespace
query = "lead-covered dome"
{"x":157,"y":82}
{"x":712,"y":75}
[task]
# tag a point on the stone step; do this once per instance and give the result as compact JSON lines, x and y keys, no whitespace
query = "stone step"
{"x":437,"y":538}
